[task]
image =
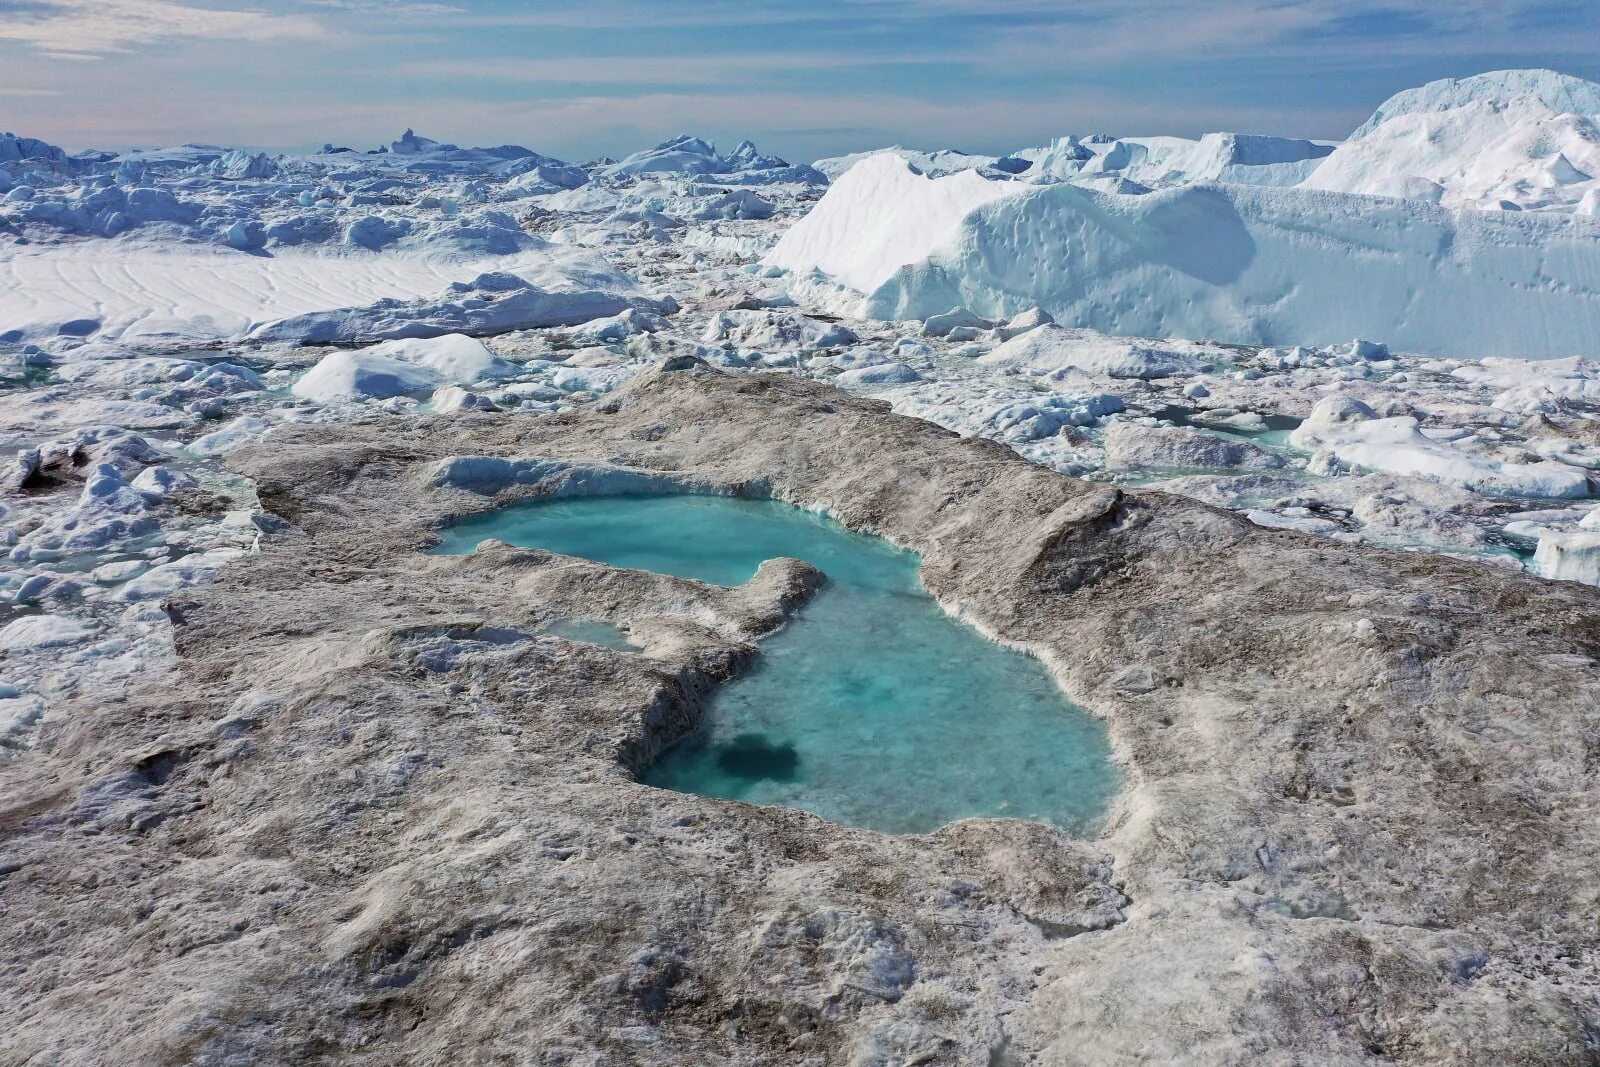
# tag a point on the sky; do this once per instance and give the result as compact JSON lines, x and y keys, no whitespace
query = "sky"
{"x":578,"y":79}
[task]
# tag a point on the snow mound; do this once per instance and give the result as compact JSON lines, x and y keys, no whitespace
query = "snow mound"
{"x":1248,"y":265}
{"x":1510,"y":139}
{"x":401,"y":368}
{"x":491,"y":303}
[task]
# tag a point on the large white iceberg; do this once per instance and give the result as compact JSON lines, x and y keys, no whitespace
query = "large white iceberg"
{"x":1249,"y":265}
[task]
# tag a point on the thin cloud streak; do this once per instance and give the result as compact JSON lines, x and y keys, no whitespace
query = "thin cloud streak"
{"x":838,"y":75}
{"x":76,"y":29}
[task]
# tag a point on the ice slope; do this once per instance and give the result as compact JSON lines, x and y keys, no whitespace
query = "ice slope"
{"x":881,"y":215}
{"x":937,"y":163}
{"x":1524,"y":139}
{"x":1561,"y":93}
{"x":1252,"y":159}
{"x":132,"y":291}
{"x":1226,"y":262}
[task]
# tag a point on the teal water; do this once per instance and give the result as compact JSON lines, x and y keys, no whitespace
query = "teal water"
{"x":590,"y":632}
{"x":872,"y":707}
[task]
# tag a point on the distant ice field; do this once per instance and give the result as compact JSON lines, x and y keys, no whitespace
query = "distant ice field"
{"x":203,"y":293}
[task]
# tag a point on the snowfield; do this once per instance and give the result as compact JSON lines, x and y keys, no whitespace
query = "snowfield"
{"x":129,"y":291}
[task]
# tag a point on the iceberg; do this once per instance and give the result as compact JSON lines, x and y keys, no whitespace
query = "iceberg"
{"x":1240,"y":264}
{"x":1507,"y":139}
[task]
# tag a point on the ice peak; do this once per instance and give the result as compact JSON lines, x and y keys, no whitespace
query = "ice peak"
{"x":686,"y":143}
{"x":411,"y":145}
{"x":1561,"y":93}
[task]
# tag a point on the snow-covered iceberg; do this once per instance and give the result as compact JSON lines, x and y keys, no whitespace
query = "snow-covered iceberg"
{"x":1525,"y":139}
{"x":694,"y":157}
{"x":1233,"y":263}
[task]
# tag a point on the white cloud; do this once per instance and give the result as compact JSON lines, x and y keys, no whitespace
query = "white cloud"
{"x":80,"y":29}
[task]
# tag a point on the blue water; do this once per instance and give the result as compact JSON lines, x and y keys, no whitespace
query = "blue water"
{"x":872,"y":707}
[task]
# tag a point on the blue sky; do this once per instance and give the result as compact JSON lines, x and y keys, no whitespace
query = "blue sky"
{"x":809,"y":79}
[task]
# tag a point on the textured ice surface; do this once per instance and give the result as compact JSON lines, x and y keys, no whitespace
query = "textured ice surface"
{"x":872,"y":707}
{"x":1233,"y":263}
{"x":1518,"y":138}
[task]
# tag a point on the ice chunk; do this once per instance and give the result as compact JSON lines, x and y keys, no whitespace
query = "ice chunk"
{"x":883,"y":374}
{"x":491,"y":303}
{"x":34,"y":632}
{"x":401,"y":368}
{"x":1132,"y":445}
{"x":454,"y":398}
{"x":955,"y":318}
{"x":1053,"y":350}
{"x":1573,"y":556}
{"x":1345,"y":432}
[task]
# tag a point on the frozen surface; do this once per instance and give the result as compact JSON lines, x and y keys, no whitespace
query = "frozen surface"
{"x":129,"y":291}
{"x":161,"y":310}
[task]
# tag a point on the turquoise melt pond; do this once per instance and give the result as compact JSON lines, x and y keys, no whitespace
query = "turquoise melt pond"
{"x":872,"y":707}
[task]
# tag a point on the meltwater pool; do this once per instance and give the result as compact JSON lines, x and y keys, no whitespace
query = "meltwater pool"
{"x":872,"y":707}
